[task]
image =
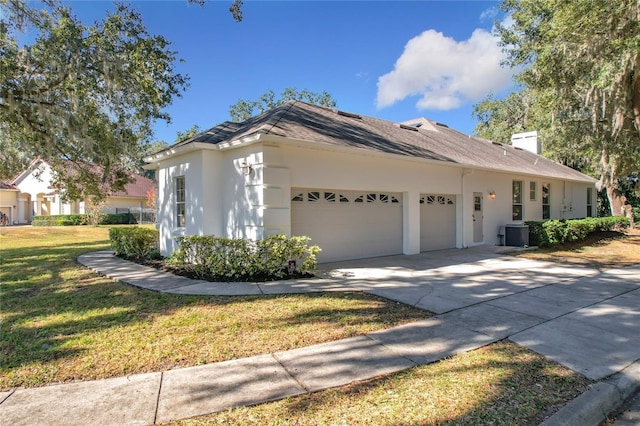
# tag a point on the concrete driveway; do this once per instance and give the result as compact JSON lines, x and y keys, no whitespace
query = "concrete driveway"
{"x":584,"y":318}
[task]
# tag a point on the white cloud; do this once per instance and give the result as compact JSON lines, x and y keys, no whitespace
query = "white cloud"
{"x":489,"y":14}
{"x":446,"y":73}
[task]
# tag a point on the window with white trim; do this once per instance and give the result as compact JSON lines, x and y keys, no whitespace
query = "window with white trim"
{"x":546,"y":201}
{"x":589,"y":202}
{"x":517,"y":211}
{"x":180,"y":202}
{"x":533,"y":190}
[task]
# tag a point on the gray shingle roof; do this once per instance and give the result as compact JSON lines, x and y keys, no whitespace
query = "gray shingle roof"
{"x":302,"y":121}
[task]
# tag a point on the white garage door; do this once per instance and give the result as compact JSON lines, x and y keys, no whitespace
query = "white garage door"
{"x":348,"y":224}
{"x":437,"y":222}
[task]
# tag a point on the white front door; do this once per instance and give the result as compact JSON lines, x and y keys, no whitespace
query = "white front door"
{"x":478,"y":218}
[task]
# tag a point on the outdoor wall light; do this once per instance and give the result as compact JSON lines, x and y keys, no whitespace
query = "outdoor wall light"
{"x":246,"y":168}
{"x":492,"y":195}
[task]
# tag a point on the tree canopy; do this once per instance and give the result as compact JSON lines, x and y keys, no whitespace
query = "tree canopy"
{"x":81,"y":94}
{"x":580,"y":86}
{"x":243,"y":109}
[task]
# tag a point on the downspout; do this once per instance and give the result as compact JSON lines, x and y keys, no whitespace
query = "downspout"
{"x":465,"y":172}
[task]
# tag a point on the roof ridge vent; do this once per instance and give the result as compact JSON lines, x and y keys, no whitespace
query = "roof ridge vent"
{"x":441,"y":125}
{"x":405,"y":127}
{"x":347,"y":114}
{"x":496,"y":143}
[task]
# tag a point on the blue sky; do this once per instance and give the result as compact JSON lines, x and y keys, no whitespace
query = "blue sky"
{"x":394,"y":60}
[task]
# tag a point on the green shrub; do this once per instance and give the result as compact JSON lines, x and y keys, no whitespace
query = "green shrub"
{"x":554,"y":232}
{"x":238,"y":259}
{"x":636,"y":214}
{"x":576,"y":230}
{"x":134,"y":242}
{"x":60,"y":220}
{"x":537,"y":234}
{"x":80,"y":219}
{"x":115,"y":219}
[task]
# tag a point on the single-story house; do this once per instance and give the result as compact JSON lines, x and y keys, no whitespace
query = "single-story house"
{"x":30,"y":193}
{"x":358,"y":186}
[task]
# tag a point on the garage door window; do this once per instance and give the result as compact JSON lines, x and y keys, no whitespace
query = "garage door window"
{"x":436,"y":199}
{"x":386,"y":198}
{"x":346,"y":197}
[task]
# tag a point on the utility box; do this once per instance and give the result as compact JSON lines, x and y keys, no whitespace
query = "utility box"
{"x":516,"y":235}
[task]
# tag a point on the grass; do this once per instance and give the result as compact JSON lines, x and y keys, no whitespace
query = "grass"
{"x":61,"y":322}
{"x":599,"y":250}
{"x":500,"y":384}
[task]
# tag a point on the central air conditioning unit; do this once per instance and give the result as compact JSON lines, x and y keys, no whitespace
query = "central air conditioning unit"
{"x":516,"y":235}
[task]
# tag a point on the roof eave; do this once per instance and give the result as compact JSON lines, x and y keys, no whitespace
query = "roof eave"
{"x":176,"y":151}
{"x":155,"y":159}
{"x":336,"y":148}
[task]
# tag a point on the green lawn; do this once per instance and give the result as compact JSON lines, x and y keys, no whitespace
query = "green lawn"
{"x":62,"y":322}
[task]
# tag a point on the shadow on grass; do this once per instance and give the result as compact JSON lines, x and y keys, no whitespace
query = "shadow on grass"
{"x":498,"y":384}
{"x":52,"y":308}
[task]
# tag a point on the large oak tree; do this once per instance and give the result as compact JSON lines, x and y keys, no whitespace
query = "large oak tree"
{"x":81,"y":95}
{"x":580,"y":85}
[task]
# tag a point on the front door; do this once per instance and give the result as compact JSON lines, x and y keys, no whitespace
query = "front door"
{"x":477,"y":217}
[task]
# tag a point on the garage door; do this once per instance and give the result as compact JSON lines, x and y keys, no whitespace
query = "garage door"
{"x":348,"y":224}
{"x":437,"y":222}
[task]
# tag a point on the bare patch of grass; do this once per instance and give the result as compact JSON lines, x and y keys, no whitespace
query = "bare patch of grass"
{"x":61,"y":322}
{"x":500,"y":384}
{"x":599,"y":250}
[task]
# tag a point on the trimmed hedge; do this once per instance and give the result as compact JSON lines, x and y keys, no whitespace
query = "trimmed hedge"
{"x":240,"y":259}
{"x":554,"y":232}
{"x":134,"y":242}
{"x":80,"y":219}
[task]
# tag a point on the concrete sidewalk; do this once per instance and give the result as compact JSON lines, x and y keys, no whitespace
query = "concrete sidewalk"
{"x":585,"y":319}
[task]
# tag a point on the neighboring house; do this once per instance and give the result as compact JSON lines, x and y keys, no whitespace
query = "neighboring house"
{"x":31,"y":194}
{"x":358,"y":186}
{"x":8,"y":199}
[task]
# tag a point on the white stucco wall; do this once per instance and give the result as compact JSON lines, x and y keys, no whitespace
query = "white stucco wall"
{"x":37,"y":182}
{"x":222,"y":200}
{"x":203,"y":193}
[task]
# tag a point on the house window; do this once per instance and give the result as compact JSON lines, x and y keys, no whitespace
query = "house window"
{"x":517,"y":213}
{"x":546,"y":201}
{"x":589,"y":202}
{"x":477,"y":203}
{"x":180,"y":202}
{"x":533,"y":189}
